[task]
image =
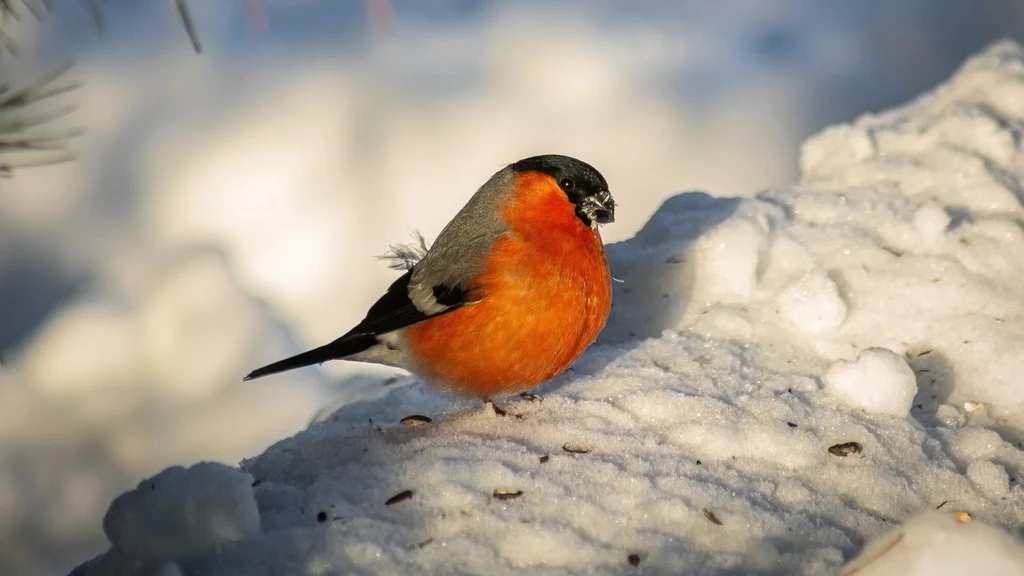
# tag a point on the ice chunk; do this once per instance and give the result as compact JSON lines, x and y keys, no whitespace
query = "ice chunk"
{"x":878,"y":381}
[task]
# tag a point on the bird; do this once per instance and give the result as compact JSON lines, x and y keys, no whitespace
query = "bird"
{"x":511,"y":292}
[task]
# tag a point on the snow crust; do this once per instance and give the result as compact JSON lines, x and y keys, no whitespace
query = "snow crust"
{"x":784,"y":379}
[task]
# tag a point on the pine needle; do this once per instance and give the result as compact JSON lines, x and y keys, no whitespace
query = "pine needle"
{"x":190,"y":28}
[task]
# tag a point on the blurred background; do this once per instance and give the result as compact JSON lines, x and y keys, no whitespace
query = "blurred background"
{"x":225,"y":208}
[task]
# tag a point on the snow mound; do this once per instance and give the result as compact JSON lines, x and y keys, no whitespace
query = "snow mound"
{"x":940,"y":544}
{"x":702,"y":433}
{"x":181,"y":512}
{"x":879,"y":381}
{"x":177,"y":513}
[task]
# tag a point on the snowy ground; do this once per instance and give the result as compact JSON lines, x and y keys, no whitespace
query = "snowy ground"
{"x":784,"y":379}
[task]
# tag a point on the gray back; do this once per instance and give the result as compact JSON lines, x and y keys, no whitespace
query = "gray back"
{"x":456,"y":257}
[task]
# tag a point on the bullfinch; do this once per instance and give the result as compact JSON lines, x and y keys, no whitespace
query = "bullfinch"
{"x":513,"y":290}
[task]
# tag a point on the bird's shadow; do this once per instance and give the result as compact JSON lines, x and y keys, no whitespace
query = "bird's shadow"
{"x":653,"y":278}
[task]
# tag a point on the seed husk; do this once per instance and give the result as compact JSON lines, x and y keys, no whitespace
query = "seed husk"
{"x":845,"y":449}
{"x":711,"y":516}
{"x":415,"y":420}
{"x":503,"y":494}
{"x":400,"y":497}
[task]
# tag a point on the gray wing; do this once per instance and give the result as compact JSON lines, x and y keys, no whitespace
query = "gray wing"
{"x":442,"y":279}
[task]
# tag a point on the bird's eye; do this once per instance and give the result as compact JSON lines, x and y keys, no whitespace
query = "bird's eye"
{"x":567,"y":184}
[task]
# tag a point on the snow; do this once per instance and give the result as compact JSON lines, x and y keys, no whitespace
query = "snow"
{"x":192,"y":305}
{"x":812,"y":303}
{"x":973,"y":443}
{"x":784,"y":380}
{"x":991,"y":478}
{"x":181,"y":512}
{"x":727,"y":261}
{"x":878,"y":381}
{"x":939,"y":544}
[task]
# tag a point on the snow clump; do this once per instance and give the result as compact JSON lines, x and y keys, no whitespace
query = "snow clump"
{"x":879,"y":381}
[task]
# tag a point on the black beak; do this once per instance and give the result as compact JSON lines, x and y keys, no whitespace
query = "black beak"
{"x":602,"y":207}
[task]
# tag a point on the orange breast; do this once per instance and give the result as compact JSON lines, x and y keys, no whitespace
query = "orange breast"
{"x":545,"y":294}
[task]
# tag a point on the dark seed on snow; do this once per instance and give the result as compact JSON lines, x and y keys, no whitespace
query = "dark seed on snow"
{"x":791,"y":424}
{"x":544,"y":458}
{"x":845,"y":449}
{"x":415,"y":420}
{"x":321,"y":517}
{"x":711,"y":516}
{"x":633,"y":560}
{"x":502,"y":494}
{"x":400,"y":497}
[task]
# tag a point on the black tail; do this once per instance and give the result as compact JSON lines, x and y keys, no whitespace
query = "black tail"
{"x":340,"y":348}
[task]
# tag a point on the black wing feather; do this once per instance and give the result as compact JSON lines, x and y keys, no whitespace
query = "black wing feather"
{"x":391,"y":311}
{"x":394,"y":310}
